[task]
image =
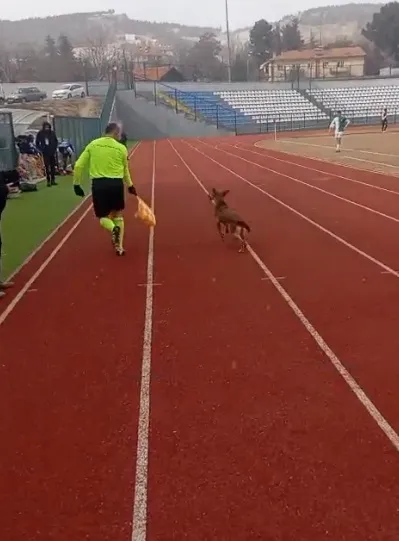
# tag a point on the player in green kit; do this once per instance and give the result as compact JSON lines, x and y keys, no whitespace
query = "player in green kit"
{"x":340,"y":123}
{"x":106,"y":160}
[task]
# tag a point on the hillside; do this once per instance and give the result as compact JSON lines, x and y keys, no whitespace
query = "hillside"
{"x":77,"y":26}
{"x":337,"y":22}
{"x":329,"y":22}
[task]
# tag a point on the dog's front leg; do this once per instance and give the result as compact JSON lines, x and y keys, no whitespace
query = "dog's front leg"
{"x":221,"y":229}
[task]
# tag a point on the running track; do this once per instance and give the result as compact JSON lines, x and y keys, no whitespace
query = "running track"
{"x":261,"y":403}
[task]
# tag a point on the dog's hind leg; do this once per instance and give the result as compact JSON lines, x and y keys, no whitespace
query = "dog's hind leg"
{"x":241,"y":236}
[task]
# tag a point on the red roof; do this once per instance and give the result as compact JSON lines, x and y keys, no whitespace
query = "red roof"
{"x":314,"y":54}
{"x":150,"y":74}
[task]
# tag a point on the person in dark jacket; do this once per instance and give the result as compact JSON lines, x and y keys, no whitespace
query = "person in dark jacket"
{"x":47,"y":144}
{"x":123,"y":139}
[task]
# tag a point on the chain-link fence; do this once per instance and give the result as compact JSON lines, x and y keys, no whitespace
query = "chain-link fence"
{"x":82,"y":130}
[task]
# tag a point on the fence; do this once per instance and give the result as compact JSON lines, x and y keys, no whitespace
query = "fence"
{"x":289,"y":72}
{"x":8,"y":153}
{"x":200,"y":106}
{"x":82,"y":130}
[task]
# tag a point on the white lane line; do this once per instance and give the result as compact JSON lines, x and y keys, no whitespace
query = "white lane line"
{"x":139,"y":529}
{"x":311,"y":186}
{"x":27,"y":286}
{"x":60,"y":226}
{"x":294,"y":211}
{"x":335,"y":361}
{"x":42,"y":267}
{"x":329,"y":163}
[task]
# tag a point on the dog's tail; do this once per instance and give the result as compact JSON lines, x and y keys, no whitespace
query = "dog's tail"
{"x":244,"y":225}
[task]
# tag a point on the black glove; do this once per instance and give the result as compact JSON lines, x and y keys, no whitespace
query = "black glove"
{"x":132,"y":190}
{"x":78,"y":190}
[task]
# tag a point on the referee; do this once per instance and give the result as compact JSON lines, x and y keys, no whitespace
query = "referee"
{"x":106,"y":159}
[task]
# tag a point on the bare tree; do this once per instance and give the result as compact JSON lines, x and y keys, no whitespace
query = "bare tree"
{"x":99,"y":54}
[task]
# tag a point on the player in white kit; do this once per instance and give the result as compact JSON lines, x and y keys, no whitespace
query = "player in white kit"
{"x":339,"y":123}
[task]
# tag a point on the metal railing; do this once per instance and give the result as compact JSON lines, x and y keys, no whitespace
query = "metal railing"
{"x":215,"y":112}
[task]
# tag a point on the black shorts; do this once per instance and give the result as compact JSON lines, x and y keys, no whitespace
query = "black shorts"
{"x":108,"y":196}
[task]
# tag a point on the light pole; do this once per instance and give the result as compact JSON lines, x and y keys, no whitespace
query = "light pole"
{"x":228,"y":40}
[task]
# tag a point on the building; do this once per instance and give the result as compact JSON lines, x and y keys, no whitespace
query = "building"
{"x":165,"y":74}
{"x":319,"y":63}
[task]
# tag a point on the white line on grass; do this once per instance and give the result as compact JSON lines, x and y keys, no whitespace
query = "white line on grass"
{"x":294,"y":211}
{"x":60,"y":226}
{"x":42,"y":267}
{"x":381,"y":164}
{"x":311,"y":186}
{"x":335,"y":361}
{"x":333,"y":149}
{"x":27,"y":287}
{"x":313,"y":158}
{"x":139,"y":529}
{"x":288,"y":162}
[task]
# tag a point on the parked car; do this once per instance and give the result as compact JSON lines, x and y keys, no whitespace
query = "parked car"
{"x":69,"y":91}
{"x":26,"y":94}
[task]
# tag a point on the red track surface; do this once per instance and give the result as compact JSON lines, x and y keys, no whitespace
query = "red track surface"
{"x":253,"y":433}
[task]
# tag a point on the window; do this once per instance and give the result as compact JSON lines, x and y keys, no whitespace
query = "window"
{"x":325,"y":64}
{"x":340,"y":64}
{"x":280,"y":67}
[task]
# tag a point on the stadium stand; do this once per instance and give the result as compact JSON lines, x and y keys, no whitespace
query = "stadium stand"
{"x":237,"y":108}
{"x":269,"y":105}
{"x":251,"y":111}
{"x":361,"y":103}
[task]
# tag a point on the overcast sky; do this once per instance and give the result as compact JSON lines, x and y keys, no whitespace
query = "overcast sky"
{"x":208,"y":12}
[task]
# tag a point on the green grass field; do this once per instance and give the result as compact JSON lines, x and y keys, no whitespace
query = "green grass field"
{"x":30,"y":218}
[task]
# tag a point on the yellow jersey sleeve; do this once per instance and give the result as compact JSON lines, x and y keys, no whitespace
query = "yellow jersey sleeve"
{"x":126,"y":173}
{"x":82,"y":164}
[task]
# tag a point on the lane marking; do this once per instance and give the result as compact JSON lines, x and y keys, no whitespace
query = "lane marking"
{"x":13,"y":275}
{"x":139,"y":528}
{"x":277,"y":278}
{"x":329,"y":163}
{"x":294,"y":211}
{"x":325,"y":348}
{"x":294,"y":179}
{"x":7,"y":311}
{"x":27,"y":286}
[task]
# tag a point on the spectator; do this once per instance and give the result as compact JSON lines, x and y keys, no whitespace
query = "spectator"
{"x":47,"y":143}
{"x":3,"y":201}
{"x":66,"y":151}
{"x":123,"y":139}
{"x":30,"y":164}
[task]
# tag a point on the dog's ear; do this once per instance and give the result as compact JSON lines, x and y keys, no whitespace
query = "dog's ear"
{"x":225,"y":192}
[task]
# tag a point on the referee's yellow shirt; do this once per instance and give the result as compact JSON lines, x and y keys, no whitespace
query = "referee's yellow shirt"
{"x":104,"y":157}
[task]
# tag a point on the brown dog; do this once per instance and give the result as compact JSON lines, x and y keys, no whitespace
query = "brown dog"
{"x":228,"y":221}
